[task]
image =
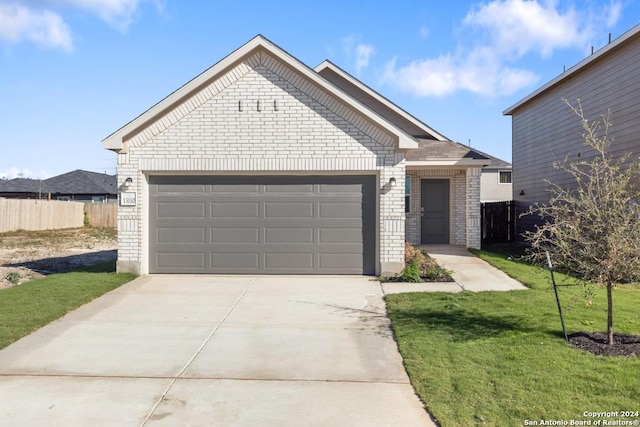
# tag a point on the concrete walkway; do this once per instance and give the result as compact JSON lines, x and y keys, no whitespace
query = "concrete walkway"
{"x":215,"y":351}
{"x":470,"y":273}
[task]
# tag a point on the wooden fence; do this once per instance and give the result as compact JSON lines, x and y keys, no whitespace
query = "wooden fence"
{"x":498,"y":221}
{"x":102,"y":214}
{"x":40,"y":214}
{"x":25,"y":214}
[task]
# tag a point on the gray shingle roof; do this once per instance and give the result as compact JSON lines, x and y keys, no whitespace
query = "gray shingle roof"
{"x":430,"y":149}
{"x":21,"y":185}
{"x":82,"y":182}
{"x":75,"y":182}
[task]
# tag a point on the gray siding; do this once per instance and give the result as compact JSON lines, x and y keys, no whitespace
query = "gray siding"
{"x":546,"y":130}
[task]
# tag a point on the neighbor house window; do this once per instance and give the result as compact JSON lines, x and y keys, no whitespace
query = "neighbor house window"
{"x":64,"y":198}
{"x":505,"y":177}
{"x":407,"y":193}
{"x":98,"y":199}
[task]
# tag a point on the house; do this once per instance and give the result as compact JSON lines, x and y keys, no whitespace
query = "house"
{"x":263,"y":165}
{"x":78,"y":185}
{"x":546,"y":130}
{"x":22,"y":188}
{"x":495,"y":181}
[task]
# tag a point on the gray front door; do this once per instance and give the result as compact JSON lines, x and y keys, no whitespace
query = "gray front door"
{"x":262,"y":224}
{"x":435,"y":211}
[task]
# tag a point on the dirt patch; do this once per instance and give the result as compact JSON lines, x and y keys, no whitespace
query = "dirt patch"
{"x":27,"y":255}
{"x":596,"y":343}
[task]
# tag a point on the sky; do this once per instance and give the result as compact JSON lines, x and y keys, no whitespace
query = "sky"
{"x":74,"y":71}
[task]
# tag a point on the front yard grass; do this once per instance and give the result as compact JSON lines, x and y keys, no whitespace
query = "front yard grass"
{"x":29,"y":306}
{"x":499,"y":358}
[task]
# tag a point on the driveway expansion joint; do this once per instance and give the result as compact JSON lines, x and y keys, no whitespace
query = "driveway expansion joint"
{"x":186,"y":366}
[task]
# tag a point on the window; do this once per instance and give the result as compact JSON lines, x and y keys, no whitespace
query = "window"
{"x":407,"y":193}
{"x":505,"y":177}
{"x":64,"y":198}
{"x":98,"y":199}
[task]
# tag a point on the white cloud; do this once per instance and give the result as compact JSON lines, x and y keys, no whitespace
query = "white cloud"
{"x":41,"y":21}
{"x":15,"y":172}
{"x":523,"y":26}
{"x":499,"y":33}
{"x":117,"y":13}
{"x":358,"y":53}
{"x":42,"y":27}
{"x":363,"y":53}
{"x":447,"y":74}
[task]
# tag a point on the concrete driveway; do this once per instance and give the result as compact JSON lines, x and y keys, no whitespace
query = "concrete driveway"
{"x":215,"y":351}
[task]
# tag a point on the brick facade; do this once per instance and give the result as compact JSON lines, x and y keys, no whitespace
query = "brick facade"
{"x":464,"y":211}
{"x":260,"y":112}
{"x":261,"y":117}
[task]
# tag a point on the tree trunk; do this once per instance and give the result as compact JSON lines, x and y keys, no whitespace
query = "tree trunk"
{"x":609,"y":314}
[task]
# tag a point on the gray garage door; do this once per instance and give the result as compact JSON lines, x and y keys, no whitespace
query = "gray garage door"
{"x":266,"y":225}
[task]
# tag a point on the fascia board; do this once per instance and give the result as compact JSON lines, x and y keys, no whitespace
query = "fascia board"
{"x":448,"y":162}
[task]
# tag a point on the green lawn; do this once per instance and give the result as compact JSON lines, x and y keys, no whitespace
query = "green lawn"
{"x":498,"y":358}
{"x":29,"y":306}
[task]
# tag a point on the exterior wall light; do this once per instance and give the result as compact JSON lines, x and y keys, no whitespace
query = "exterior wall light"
{"x":392,"y":182}
{"x":127,"y":182}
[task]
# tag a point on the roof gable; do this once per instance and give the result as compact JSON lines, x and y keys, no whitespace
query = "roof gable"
{"x":189,"y":96}
{"x":377,"y":102}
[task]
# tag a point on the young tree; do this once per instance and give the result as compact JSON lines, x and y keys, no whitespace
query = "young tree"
{"x":592,"y":229}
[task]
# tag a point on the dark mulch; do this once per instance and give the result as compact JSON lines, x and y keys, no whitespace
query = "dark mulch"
{"x":443,"y":278}
{"x":596,"y":343}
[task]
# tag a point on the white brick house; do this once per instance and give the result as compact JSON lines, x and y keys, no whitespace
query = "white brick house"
{"x":263,"y":165}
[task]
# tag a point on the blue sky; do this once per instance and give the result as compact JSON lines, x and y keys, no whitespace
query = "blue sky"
{"x":74,"y":71}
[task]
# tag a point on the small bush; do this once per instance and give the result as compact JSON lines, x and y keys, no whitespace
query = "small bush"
{"x":13,"y":277}
{"x":419,"y":266}
{"x":411,"y":273}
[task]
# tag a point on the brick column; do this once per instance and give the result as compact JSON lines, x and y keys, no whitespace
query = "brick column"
{"x":473,"y":208}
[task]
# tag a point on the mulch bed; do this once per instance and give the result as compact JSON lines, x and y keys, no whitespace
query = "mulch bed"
{"x":399,"y":279}
{"x":596,"y":343}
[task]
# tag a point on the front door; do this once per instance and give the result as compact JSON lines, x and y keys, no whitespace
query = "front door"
{"x":435,"y":211}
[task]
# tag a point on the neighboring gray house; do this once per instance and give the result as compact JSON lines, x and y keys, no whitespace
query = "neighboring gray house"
{"x":546,"y":130}
{"x":264,"y":165}
{"x":78,"y":185}
{"x":495,"y":181}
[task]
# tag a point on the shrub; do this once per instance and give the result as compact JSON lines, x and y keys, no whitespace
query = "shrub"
{"x":13,"y":277}
{"x":411,"y":273}
{"x":419,"y":265}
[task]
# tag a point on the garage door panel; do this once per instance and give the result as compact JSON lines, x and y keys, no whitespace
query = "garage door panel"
{"x":340,"y":210}
{"x":181,"y":235}
{"x":288,"y":235}
{"x":181,"y":260}
{"x":235,"y":234}
{"x":234,"y":188}
{"x":288,"y":210}
{"x":355,"y":189}
{"x":289,"y":261}
{"x":263,"y":224}
{"x":238,"y":261}
{"x":182,"y":189}
{"x":338,"y":261}
{"x":180,"y":210}
{"x":340,"y":235}
{"x":288,"y":188}
{"x":234,"y":210}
